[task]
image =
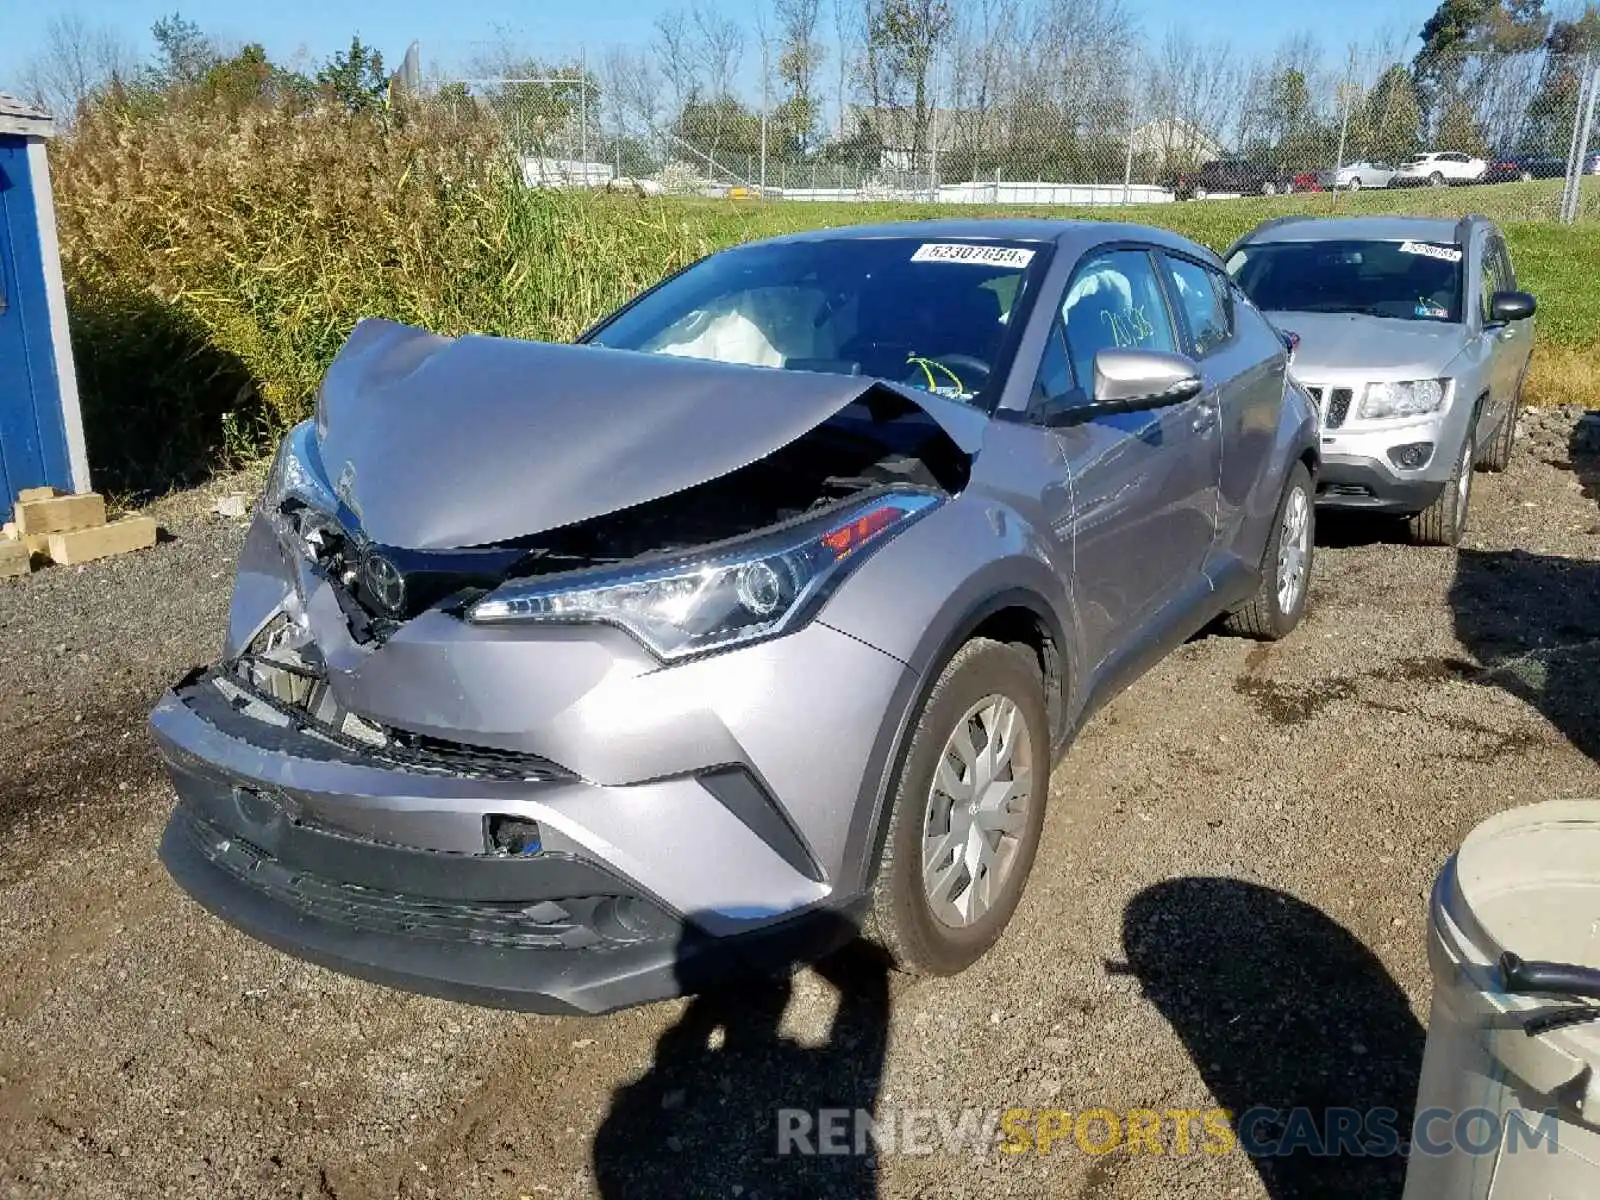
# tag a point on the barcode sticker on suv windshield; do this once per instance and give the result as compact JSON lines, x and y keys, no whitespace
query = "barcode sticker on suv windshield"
{"x":963,"y":252}
{"x":1428,"y":250}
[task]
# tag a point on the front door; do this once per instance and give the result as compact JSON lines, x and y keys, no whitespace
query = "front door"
{"x":1144,"y":485}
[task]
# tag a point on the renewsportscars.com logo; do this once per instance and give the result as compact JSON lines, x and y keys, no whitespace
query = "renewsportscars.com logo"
{"x":1260,"y":1132}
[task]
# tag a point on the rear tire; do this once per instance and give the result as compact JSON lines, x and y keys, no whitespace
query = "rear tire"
{"x":1276,"y":608}
{"x":1444,"y":521}
{"x":939,"y":791}
{"x":1269,"y":188}
{"x":1436,"y":180}
{"x":1355,"y":184}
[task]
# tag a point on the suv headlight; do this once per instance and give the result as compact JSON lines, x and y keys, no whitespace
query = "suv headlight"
{"x":756,"y":589}
{"x":1413,"y":398}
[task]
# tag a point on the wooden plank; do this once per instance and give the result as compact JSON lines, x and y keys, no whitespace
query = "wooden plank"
{"x":59,"y":514}
{"x":40,"y":493}
{"x":119,"y":537}
{"x":14,"y":559}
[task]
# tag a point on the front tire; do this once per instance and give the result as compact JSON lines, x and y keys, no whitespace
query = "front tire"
{"x":966,"y":812}
{"x":1436,"y":180}
{"x":1444,"y":521}
{"x":1269,"y":188}
{"x":1505,"y":438}
{"x":1280,"y":602}
{"x":1355,"y":184}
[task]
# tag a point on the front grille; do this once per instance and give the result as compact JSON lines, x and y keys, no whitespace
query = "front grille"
{"x":237,"y":692}
{"x":568,"y":923}
{"x":1334,"y":404}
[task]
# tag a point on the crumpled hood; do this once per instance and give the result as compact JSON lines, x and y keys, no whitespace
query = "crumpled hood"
{"x":440,"y":443}
{"x":1374,"y":347}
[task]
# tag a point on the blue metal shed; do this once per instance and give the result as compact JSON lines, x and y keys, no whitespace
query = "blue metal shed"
{"x":41,"y":429}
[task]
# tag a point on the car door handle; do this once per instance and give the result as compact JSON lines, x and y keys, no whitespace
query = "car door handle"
{"x":1205,"y":414}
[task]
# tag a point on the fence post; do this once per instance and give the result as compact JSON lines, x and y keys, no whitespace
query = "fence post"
{"x":1573,"y":204}
{"x":1575,"y":145}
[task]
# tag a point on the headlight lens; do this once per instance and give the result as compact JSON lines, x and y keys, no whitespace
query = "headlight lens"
{"x":758,"y":590}
{"x":1414,"y":398}
{"x":299,"y":502}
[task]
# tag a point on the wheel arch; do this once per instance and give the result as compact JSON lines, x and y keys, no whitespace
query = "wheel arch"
{"x":1016,"y":614}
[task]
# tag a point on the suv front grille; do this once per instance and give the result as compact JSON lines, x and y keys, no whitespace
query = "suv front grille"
{"x":1335,"y":404}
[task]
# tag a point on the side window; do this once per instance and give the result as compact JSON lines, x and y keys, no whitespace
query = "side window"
{"x":1508,"y":274}
{"x":1054,"y":380}
{"x":1492,"y":274}
{"x":1205,"y":301}
{"x":1114,"y":303}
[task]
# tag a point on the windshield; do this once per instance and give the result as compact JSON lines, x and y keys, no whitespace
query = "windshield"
{"x":932,"y":314}
{"x":1408,"y":281}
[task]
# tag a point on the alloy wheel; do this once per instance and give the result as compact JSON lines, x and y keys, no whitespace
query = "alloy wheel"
{"x":977,"y":811}
{"x":1294,"y":549}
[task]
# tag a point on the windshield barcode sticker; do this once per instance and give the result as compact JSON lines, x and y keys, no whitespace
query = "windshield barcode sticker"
{"x":962,"y":252}
{"x":1428,"y":250}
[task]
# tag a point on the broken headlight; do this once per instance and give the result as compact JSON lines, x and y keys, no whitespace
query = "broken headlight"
{"x":299,"y":501}
{"x":758,"y":589}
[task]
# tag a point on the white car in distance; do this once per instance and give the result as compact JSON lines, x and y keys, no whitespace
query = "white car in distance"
{"x":1439,"y":168}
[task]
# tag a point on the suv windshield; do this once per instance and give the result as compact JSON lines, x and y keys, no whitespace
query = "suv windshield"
{"x":931,"y":314}
{"x":1409,"y":280}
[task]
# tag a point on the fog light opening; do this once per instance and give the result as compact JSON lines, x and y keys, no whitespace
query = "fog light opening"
{"x":511,"y":835}
{"x":1411,"y":456}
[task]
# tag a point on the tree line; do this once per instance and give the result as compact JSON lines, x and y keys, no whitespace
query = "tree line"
{"x":1067,"y":90}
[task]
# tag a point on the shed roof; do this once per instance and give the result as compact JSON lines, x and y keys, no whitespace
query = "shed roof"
{"x":18,"y":116}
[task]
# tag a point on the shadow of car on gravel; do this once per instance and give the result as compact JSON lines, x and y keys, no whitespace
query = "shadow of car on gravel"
{"x":706,"y":1119}
{"x":1281,"y":1008}
{"x":1532,"y":621}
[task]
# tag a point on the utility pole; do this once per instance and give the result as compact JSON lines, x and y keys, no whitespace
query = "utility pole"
{"x":765,"y":102}
{"x":583,"y":111}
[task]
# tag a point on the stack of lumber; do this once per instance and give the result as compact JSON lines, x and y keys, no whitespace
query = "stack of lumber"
{"x":51,"y":527}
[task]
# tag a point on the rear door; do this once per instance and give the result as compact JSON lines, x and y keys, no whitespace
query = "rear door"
{"x":1243,"y":364}
{"x":1143,"y":484}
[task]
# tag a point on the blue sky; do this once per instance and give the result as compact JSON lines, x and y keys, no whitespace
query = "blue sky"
{"x":556,"y":29}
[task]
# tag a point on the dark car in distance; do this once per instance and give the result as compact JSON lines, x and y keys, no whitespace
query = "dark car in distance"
{"x":1525,"y":167}
{"x":1234,"y":174}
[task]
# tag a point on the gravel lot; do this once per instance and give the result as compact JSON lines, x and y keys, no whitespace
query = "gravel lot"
{"x":1229,"y":909}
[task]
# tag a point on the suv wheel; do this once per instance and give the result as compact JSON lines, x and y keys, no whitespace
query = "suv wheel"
{"x":1436,"y":180}
{"x":1444,"y":521}
{"x":966,"y":812}
{"x":1280,"y":602}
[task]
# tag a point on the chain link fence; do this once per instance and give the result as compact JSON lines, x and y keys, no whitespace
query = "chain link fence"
{"x":1161,"y":128}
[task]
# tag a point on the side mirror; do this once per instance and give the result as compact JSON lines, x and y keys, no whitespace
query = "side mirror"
{"x":1511,"y":306}
{"x":1127,"y":381}
{"x":1131,"y":380}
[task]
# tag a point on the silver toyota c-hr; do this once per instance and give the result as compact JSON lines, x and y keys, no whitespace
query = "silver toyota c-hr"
{"x":565,"y":677}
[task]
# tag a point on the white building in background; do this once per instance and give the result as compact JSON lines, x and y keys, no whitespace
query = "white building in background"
{"x":565,"y":173}
{"x":1173,"y":141}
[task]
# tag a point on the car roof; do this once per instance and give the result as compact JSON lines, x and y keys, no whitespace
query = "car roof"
{"x":1380,"y":229}
{"x":1072,"y":234}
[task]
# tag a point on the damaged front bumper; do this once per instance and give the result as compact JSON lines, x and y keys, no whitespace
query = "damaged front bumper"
{"x":265,"y":836}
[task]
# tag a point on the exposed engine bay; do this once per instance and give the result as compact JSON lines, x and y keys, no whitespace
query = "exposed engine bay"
{"x":880,"y":441}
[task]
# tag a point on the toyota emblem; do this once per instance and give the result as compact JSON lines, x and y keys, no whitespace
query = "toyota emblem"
{"x":383,"y":582}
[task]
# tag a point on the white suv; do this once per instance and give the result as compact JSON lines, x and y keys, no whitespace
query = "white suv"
{"x":1439,"y":169}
